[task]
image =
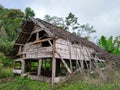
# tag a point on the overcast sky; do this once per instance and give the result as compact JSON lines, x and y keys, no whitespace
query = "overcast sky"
{"x":104,"y":15}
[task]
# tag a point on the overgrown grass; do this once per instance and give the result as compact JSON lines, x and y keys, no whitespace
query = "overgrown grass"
{"x":20,"y":83}
{"x":110,"y":80}
{"x":6,"y":62}
{"x":6,"y":72}
{"x":83,"y":85}
{"x":5,"y":67}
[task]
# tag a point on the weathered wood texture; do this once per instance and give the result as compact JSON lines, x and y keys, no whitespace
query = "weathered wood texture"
{"x":23,"y":66}
{"x":36,"y":51}
{"x":73,"y":51}
{"x":53,"y":65}
{"x":63,"y":47}
{"x":39,"y":67}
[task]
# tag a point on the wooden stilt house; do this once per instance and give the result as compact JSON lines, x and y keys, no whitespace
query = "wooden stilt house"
{"x":48,"y":53}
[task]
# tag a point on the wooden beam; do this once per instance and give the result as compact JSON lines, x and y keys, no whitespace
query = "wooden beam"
{"x":29,"y":38}
{"x":81,"y":50}
{"x":37,"y":36}
{"x":43,"y":40}
{"x":88,"y":53}
{"x":42,"y":26}
{"x":66,"y":66}
{"x":37,"y":22}
{"x":36,"y":31}
{"x":20,"y":50}
{"x":25,"y":32}
{"x":69,"y":48}
{"x":19,"y":44}
{"x":50,"y":43}
{"x":39,"y":67}
{"x":81,"y":62}
{"x":43,"y":29}
{"x":76,"y":53}
{"x":23,"y":66}
{"x":53,"y":66}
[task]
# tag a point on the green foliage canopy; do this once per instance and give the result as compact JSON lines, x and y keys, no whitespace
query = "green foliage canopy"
{"x":10,"y":26}
{"x":70,"y":23}
{"x":110,"y":45}
{"x":10,"y":21}
{"x":29,"y":12}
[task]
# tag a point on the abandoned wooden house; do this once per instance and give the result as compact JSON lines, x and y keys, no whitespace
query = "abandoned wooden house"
{"x":48,"y":53}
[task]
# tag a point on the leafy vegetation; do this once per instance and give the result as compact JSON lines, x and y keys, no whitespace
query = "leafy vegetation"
{"x":110,"y":45}
{"x":5,"y":45}
{"x":10,"y":25}
{"x":70,"y":23}
{"x":10,"y":22}
{"x":5,"y":67}
{"x":20,"y":83}
{"x":29,"y":12}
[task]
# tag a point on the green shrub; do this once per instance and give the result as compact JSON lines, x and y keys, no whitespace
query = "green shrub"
{"x":1,"y":65}
{"x":5,"y":70}
{"x":5,"y":73}
{"x":6,"y":62}
{"x":5,"y":46}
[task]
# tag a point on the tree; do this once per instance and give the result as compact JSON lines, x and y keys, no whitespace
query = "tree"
{"x":70,"y":23}
{"x":110,"y":45}
{"x":10,"y":26}
{"x":11,"y":20}
{"x":85,"y":31}
{"x":29,"y":12}
{"x":57,"y":21}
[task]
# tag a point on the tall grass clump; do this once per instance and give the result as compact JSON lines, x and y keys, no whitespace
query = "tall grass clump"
{"x":5,"y":67}
{"x":107,"y":79}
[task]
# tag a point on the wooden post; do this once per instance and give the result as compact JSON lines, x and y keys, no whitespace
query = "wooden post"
{"x":37,"y":36}
{"x":83,"y":54}
{"x":20,"y":50}
{"x":90,"y":65}
{"x":65,"y":64}
{"x":69,"y":47}
{"x":53,"y":65}
{"x":88,"y":53}
{"x":81,"y":62}
{"x":23,"y":66}
{"x":77,"y":64}
{"x":39,"y":67}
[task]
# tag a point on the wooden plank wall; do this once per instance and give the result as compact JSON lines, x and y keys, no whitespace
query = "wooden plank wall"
{"x":65,"y":48}
{"x":36,"y":51}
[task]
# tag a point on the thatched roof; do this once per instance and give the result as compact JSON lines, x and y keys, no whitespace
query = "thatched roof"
{"x":60,"y":33}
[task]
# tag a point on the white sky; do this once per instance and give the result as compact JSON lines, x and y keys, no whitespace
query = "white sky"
{"x":104,"y":15}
